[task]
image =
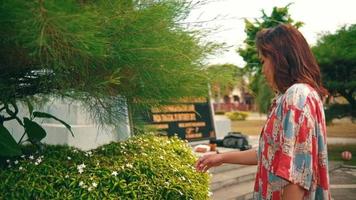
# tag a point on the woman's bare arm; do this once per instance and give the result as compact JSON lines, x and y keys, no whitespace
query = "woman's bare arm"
{"x":248,"y":157}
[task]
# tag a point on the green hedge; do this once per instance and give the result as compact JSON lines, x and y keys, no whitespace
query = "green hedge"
{"x":143,"y":167}
{"x":236,"y":115}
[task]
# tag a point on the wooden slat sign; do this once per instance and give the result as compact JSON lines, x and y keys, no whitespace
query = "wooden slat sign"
{"x":189,"y":118}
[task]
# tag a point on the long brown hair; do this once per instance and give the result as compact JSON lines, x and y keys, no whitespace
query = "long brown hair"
{"x":291,"y":57}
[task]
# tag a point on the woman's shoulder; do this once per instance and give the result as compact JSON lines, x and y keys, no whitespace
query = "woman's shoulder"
{"x":297,"y":94}
{"x":300,"y":88}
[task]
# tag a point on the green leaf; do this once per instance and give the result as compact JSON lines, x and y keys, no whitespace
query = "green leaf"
{"x":34,"y":131}
{"x":47,"y":115}
{"x":8,"y":146}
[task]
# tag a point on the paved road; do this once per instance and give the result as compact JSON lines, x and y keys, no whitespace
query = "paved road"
{"x":343,"y":182}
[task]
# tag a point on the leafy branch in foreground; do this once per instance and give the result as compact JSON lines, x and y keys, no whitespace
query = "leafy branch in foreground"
{"x":106,"y":54}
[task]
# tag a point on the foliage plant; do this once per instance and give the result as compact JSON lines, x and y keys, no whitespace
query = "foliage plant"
{"x":336,"y":55}
{"x":33,"y":131}
{"x":223,"y":78}
{"x":143,"y":167}
{"x":109,"y":55}
{"x":338,"y":111}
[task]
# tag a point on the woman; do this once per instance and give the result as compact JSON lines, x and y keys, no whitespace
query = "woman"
{"x":292,"y":154}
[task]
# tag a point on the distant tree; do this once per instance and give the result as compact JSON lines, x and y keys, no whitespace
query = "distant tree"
{"x":223,"y":78}
{"x":336,"y":55}
{"x":249,"y":53}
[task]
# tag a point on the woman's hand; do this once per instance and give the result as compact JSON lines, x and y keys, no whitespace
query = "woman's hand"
{"x":207,"y":161}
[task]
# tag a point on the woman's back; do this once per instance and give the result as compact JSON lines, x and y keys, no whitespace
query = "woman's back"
{"x":293,"y":146}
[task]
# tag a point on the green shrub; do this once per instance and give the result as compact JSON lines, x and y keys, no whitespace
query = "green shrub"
{"x":237,"y":115}
{"x":143,"y":167}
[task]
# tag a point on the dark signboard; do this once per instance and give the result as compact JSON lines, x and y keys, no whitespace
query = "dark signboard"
{"x":189,"y":118}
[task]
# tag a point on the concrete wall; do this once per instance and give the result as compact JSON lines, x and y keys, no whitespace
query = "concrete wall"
{"x":87,"y":134}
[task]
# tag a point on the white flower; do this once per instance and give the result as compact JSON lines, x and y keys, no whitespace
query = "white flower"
{"x":20,"y":168}
{"x":103,"y":148}
{"x":94,"y":184}
{"x":90,"y":188}
{"x":31,"y":157}
{"x":81,"y":166}
{"x":88,"y":153}
{"x":23,"y":156}
{"x":8,"y":161}
{"x":81,"y":183}
{"x":75,"y":151}
{"x":69,"y":158}
{"x":16,"y":162}
{"x":67,"y":176}
{"x":97,"y":164}
{"x":129,"y":165}
{"x":36,"y":163}
{"x":39,"y":160}
{"x":114,"y":173}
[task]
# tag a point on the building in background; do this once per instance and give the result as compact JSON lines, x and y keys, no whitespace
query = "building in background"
{"x":235,"y":99}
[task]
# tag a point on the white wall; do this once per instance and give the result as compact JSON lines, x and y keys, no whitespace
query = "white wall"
{"x":87,"y":134}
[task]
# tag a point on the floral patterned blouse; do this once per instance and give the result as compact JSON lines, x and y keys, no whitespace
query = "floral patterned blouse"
{"x":292,"y":146}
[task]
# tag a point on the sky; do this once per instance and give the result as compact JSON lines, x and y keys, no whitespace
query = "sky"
{"x":319,"y":16}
